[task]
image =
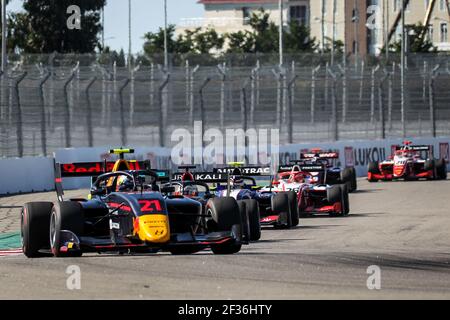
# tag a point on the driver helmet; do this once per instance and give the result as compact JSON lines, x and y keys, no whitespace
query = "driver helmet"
{"x":298,"y":178}
{"x":124,"y":184}
{"x":237,"y":181}
{"x":190,"y":191}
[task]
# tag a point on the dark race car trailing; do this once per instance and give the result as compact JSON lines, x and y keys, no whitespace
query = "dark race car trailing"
{"x":128,"y":211}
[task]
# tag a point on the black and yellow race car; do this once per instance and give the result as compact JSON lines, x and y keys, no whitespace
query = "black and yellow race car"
{"x":127,"y":211}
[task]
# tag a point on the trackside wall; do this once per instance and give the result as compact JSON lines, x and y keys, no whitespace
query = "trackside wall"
{"x":34,"y":174}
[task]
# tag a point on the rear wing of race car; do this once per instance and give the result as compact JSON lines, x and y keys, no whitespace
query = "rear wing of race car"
{"x":302,"y":167}
{"x":207,"y":177}
{"x":415,"y":148}
{"x":95,"y":169}
{"x":321,"y":155}
{"x":245,"y":171}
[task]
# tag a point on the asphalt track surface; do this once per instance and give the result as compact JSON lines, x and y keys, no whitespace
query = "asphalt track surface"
{"x":402,"y":227}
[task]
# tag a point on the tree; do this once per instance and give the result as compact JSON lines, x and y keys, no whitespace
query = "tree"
{"x":208,"y":41}
{"x":42,"y":28}
{"x":417,"y":40}
{"x":240,"y":42}
{"x":266,"y":33}
{"x":194,"y":42}
{"x":338,"y":45}
{"x":264,"y":37}
{"x":154,"y":41}
{"x":298,"y":39}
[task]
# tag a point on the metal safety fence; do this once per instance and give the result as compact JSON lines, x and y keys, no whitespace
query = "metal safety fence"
{"x":68,"y":101}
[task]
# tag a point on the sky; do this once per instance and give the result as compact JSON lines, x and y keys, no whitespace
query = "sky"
{"x":147,"y":15}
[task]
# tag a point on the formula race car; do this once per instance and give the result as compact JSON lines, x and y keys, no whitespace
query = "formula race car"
{"x":278,"y":209}
{"x":312,"y":197}
{"x":320,"y":165}
{"x":194,"y":185}
{"x":409,"y":162}
{"x":128,"y":211}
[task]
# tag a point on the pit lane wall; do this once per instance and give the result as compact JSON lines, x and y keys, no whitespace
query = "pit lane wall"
{"x":35,"y":174}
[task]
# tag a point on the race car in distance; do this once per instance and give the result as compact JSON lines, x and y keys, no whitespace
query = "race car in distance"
{"x":312,"y":197}
{"x":409,"y":162}
{"x":194,"y":185}
{"x":319,"y":164}
{"x":127,"y":211}
{"x":276,"y":209}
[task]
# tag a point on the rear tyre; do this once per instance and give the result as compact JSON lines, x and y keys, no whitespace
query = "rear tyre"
{"x":225,"y":213}
{"x":301,"y":206}
{"x":280,"y":206}
{"x":430,"y":165}
{"x":373,"y":168}
{"x":293,"y":207}
{"x":65,"y":216}
{"x":245,"y":220}
{"x":254,"y":219}
{"x":334,"y":194}
{"x":354,"y":180}
{"x":345,"y":202}
{"x":339,"y":193}
{"x":347,"y":176}
{"x":35,"y":225}
{"x":441,"y":169}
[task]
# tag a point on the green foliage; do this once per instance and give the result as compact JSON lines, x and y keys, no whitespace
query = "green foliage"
{"x":241,"y":42}
{"x":298,"y":39}
{"x":192,"y":41}
{"x":262,"y":38}
{"x":42,"y":27}
{"x":417,"y":40}
{"x":338,"y":46}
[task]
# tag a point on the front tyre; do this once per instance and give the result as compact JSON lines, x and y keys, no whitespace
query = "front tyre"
{"x":34,"y":226}
{"x":254,"y":219}
{"x":225,"y":213}
{"x":67,"y":216}
{"x":280,"y":207}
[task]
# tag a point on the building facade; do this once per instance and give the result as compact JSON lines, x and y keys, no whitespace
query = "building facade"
{"x":362,"y":25}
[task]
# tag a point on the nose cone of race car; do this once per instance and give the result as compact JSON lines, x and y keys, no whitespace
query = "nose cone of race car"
{"x":398,"y":170}
{"x":152,"y":228}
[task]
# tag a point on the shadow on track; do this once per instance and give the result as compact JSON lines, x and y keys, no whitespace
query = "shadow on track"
{"x":350,"y":216}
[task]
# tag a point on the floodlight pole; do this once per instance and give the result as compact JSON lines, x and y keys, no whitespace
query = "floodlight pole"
{"x":4,"y":34}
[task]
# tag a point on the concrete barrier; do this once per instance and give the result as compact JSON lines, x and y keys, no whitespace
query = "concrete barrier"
{"x":36,"y":173}
{"x":358,"y":154}
{"x":22,"y":175}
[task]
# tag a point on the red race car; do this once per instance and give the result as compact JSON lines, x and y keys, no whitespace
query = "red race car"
{"x":409,"y":162}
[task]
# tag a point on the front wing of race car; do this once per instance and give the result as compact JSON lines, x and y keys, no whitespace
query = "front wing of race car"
{"x":70,"y":243}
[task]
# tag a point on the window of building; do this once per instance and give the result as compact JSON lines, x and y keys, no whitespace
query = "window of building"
{"x":444,"y":32}
{"x":355,"y":16}
{"x":246,"y":14}
{"x":430,"y":33}
{"x":442,"y":5}
{"x":397,"y":5}
{"x":354,"y":47}
{"x":299,"y":14}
